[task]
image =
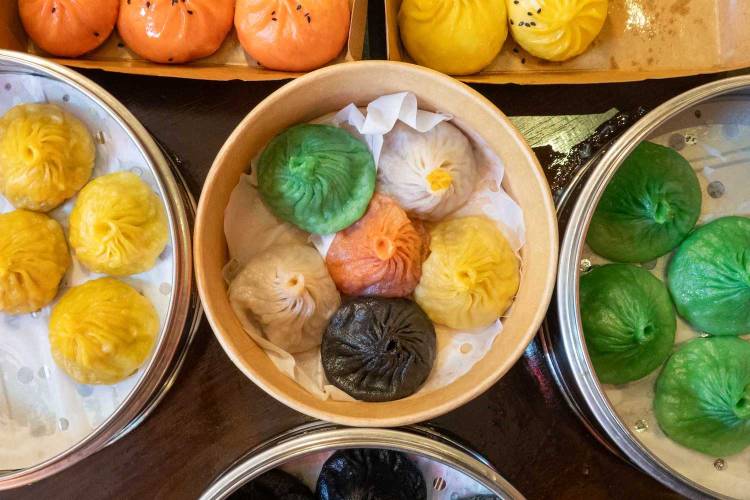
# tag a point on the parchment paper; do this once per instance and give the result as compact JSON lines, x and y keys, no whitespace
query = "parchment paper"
{"x":42,"y":410}
{"x":458,"y":351}
{"x":715,"y":138}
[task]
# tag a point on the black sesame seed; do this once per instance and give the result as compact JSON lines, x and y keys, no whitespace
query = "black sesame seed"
{"x":170,"y":59}
{"x":96,"y":33}
{"x":309,"y":20}
{"x":148,"y":5}
{"x":273,"y":12}
{"x":54,"y":9}
{"x":532,"y":23}
{"x":299,"y":7}
{"x":515,"y":49}
{"x":274,"y":19}
{"x":128,"y":2}
{"x":121,"y":45}
{"x":515,"y":2}
{"x":190,"y":12}
{"x":511,"y":22}
{"x":529,"y":13}
{"x":539,"y":11}
{"x":523,"y":60}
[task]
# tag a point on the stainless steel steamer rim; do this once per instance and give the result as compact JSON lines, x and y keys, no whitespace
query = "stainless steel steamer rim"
{"x":321,"y":436}
{"x":161,"y":368}
{"x":586,"y":395}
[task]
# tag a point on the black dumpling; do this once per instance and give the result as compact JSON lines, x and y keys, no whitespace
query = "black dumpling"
{"x":273,"y":485}
{"x":378,"y":349}
{"x":369,"y":474}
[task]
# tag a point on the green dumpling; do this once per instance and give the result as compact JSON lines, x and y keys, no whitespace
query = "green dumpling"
{"x":709,"y":277}
{"x":703,"y":396}
{"x":317,"y":177}
{"x":628,"y":321}
{"x":649,"y":206}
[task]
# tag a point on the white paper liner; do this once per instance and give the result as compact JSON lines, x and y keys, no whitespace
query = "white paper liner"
{"x":458,"y":351}
{"x":43,"y":411}
{"x":455,"y":484}
{"x":718,"y":147}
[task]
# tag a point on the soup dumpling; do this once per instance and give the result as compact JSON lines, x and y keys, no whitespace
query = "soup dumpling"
{"x":556,"y":30}
{"x":68,"y":28}
{"x":293,"y":35}
{"x":169,"y":31}
{"x":429,"y":174}
{"x":33,"y":260}
{"x":118,"y":225}
{"x":471,"y":276}
{"x":286,"y":290}
{"x":46,"y":156}
{"x":381,"y":254}
{"x":101,"y":332}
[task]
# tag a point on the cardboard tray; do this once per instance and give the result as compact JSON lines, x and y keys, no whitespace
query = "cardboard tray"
{"x":229,"y":63}
{"x":641,"y":39}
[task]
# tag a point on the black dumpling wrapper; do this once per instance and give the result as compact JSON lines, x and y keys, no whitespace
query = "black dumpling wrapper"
{"x":273,"y":485}
{"x":379,"y":349}
{"x":370,"y":474}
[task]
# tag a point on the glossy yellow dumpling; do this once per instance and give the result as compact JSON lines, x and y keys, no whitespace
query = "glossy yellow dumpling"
{"x":102,"y":331}
{"x":118,"y":225}
{"x":471,"y":276}
{"x":455,"y":37}
{"x":46,"y":156}
{"x":556,"y":30}
{"x":33,"y":259}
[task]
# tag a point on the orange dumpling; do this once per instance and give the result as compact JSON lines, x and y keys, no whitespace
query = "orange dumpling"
{"x":68,"y":28}
{"x":293,"y":35}
{"x":381,"y":254}
{"x":175,"y":31}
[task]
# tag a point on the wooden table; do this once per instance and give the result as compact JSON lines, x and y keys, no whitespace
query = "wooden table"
{"x":214,"y":414}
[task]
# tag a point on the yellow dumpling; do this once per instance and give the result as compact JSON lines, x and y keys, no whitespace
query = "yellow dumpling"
{"x":118,"y":225}
{"x":102,"y":331}
{"x":33,"y":259}
{"x":556,"y":30}
{"x":46,"y":156}
{"x":471,"y":276}
{"x":458,"y":38}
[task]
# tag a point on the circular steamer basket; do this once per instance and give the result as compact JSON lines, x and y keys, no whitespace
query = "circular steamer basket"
{"x":185,"y":310}
{"x":421,"y":441}
{"x":562,"y":336}
{"x":330,"y":89}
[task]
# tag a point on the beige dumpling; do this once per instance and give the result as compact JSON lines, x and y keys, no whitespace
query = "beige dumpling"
{"x":102,"y":331}
{"x":46,"y":156}
{"x":33,"y":260}
{"x":118,"y":225}
{"x":556,"y":30}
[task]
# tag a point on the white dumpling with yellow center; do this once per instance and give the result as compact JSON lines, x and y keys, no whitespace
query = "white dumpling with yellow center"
{"x":101,"y":332}
{"x":430,"y":174}
{"x":118,"y":225}
{"x":471,"y":276}
{"x":33,"y":260}
{"x":556,"y":30}
{"x":287,"y":291}
{"x":46,"y":156}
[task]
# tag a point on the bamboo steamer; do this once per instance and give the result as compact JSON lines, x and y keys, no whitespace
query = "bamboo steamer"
{"x":328,"y":90}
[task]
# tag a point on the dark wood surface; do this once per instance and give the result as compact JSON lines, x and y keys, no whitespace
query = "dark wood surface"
{"x":214,"y":414}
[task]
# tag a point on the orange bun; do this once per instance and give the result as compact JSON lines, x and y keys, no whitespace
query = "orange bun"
{"x":293,"y":35}
{"x":381,"y":254}
{"x":68,"y":28}
{"x":175,"y":31}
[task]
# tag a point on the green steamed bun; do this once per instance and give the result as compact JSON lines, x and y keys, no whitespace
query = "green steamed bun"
{"x":317,"y":177}
{"x":628,"y":321}
{"x":709,"y":277}
{"x":648,"y":208}
{"x":703,"y":396}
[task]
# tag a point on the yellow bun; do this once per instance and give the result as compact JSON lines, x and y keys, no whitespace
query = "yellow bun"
{"x":46,"y":156}
{"x":556,"y":30}
{"x":118,"y":225}
{"x":471,"y":276}
{"x":455,"y":37}
{"x":33,"y":259}
{"x":102,"y":331}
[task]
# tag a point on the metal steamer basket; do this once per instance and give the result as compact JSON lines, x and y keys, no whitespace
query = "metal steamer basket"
{"x":724,"y":103}
{"x":454,"y":461}
{"x":184,"y":309}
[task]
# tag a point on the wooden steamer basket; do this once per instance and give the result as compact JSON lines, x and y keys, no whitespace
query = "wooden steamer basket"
{"x":562,"y":336}
{"x":185,"y":311}
{"x":464,"y":465}
{"x":331,"y":89}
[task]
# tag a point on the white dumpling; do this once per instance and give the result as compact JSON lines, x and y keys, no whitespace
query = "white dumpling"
{"x":251,"y":228}
{"x":429,"y":174}
{"x":288,"y":292}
